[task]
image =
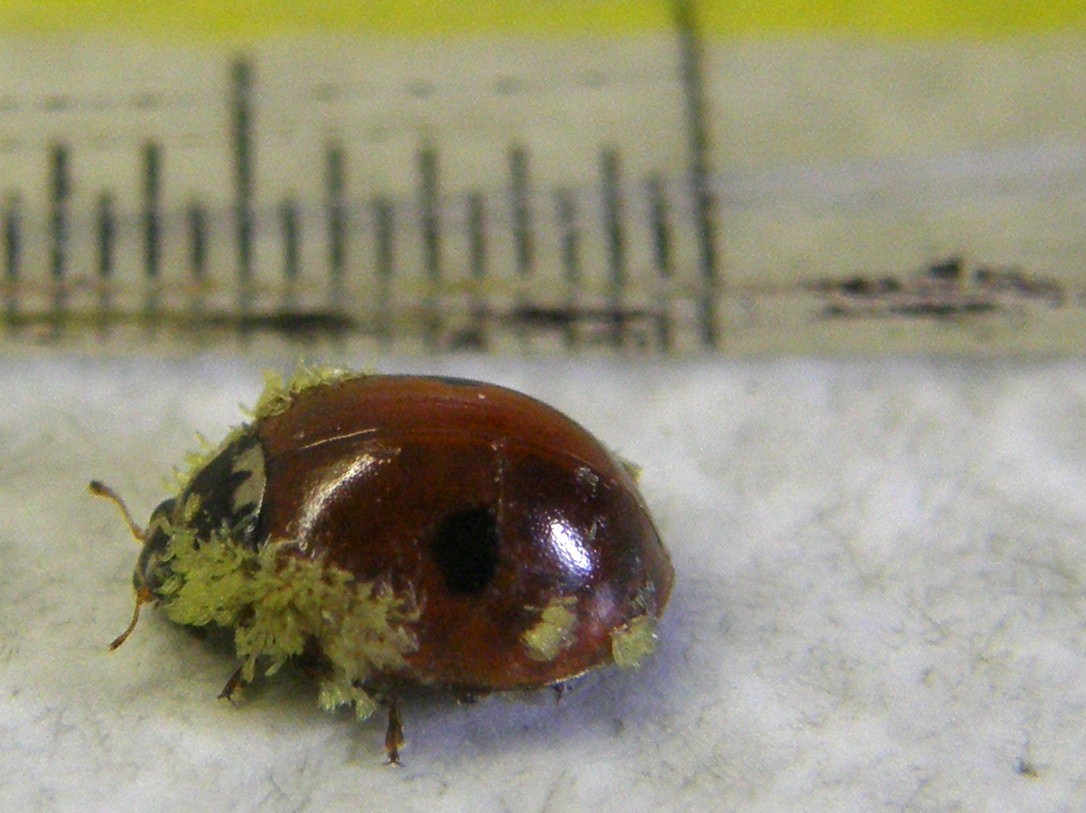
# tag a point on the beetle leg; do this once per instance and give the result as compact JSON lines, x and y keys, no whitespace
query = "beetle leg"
{"x":232,"y":685}
{"x":394,"y":733}
{"x":468,"y":697}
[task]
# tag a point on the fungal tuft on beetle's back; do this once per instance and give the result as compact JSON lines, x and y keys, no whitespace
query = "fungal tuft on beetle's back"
{"x":390,"y":531}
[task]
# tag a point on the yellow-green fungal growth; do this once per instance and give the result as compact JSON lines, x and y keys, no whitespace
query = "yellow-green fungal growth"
{"x":334,"y":692}
{"x":279,"y":604}
{"x":554,"y":630}
{"x":634,"y":641}
{"x":279,"y":393}
{"x":277,"y":396}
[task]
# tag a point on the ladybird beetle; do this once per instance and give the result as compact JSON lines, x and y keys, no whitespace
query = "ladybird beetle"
{"x":392,"y":530}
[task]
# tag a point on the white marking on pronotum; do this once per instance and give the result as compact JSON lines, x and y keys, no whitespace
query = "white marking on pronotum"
{"x":251,"y":490}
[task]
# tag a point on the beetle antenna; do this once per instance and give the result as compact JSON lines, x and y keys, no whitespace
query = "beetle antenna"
{"x":100,"y":489}
{"x":143,"y":596}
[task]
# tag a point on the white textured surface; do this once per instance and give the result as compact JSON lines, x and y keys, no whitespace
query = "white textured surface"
{"x":879,"y":606}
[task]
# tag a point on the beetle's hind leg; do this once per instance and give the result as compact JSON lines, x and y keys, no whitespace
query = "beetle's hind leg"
{"x":394,"y":740}
{"x":235,"y":682}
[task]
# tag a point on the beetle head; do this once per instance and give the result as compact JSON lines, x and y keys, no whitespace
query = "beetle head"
{"x":151,"y":568}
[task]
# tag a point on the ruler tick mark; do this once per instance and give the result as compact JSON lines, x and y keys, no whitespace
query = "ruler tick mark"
{"x":152,"y":226}
{"x":522,"y":215}
{"x":106,"y":228}
{"x":241,"y":119}
{"x":196,"y":225}
{"x":12,"y":238}
{"x":660,"y":228}
{"x":477,"y":254}
{"x":12,"y":248}
{"x":196,"y":222}
{"x":566,"y":211}
{"x":431,"y":242}
{"x":288,"y":220}
{"x":699,"y":168}
{"x":336,"y":208}
{"x":60,"y":191}
{"x":616,"y":238}
{"x":384,"y":263}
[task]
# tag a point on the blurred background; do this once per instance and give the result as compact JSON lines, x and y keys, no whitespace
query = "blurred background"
{"x":640,"y":176}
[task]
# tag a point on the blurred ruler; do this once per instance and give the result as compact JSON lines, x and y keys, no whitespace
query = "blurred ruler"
{"x":551,"y":177}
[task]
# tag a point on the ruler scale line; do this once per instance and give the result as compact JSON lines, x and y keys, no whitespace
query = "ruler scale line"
{"x":384,"y":264}
{"x":477,"y":264}
{"x":660,"y":229}
{"x":520,"y":195}
{"x":614,"y":228}
{"x":291,"y":232}
{"x":241,"y":122}
{"x":566,"y":212}
{"x":151,"y":215}
{"x":152,"y":232}
{"x":336,"y":211}
{"x":700,"y":171}
{"x":429,"y":192}
{"x":291,"y":229}
{"x":12,"y":256}
{"x":196,"y":236}
{"x":105,"y":237}
{"x":12,"y":239}
{"x":105,"y":221}
{"x":60,"y":189}
{"x":522,"y":215}
{"x":196,"y":226}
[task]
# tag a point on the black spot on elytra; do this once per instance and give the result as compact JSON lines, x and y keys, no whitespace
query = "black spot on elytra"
{"x":465,"y":548}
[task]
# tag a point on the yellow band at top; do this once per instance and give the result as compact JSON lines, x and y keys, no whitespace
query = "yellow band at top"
{"x":255,"y":20}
